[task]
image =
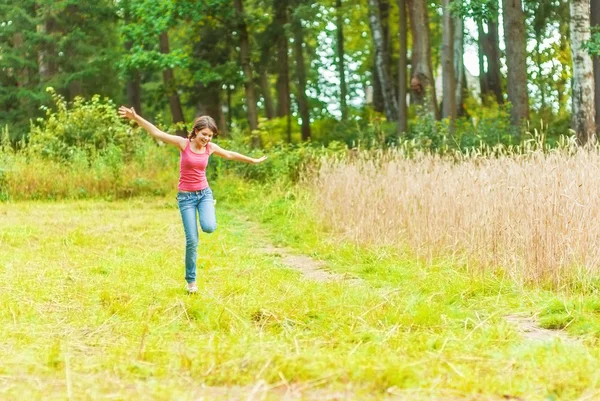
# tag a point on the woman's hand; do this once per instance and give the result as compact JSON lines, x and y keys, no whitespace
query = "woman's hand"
{"x":262,"y":159}
{"x":125,"y":112}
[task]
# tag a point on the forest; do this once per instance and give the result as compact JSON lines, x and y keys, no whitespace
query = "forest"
{"x":470,"y":70}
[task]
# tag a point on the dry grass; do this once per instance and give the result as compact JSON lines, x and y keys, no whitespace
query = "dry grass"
{"x":25,"y":176}
{"x":534,"y":215}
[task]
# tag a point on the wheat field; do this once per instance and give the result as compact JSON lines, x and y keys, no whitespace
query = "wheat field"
{"x":534,"y":215}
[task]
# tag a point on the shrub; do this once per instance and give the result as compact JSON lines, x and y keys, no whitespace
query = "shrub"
{"x":89,"y":126}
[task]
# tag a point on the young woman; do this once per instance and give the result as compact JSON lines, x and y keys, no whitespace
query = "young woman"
{"x":194,"y":194}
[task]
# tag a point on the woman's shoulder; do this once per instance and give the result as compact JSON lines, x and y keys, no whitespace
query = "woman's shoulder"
{"x":184,"y":146}
{"x":212,"y":147}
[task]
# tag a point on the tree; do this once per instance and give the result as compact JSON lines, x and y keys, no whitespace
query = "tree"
{"x":402,"y":68}
{"x":494,"y":76}
{"x":64,"y":44}
{"x":339,"y":19}
{"x":483,"y":81}
{"x":459,"y":65}
{"x":170,"y":84}
{"x":283,"y":78}
{"x":133,"y":77}
{"x":516,"y":60}
{"x":583,"y":101}
{"x":266,"y":41}
{"x":381,"y":61}
{"x":246,"y":66}
{"x":449,"y":83}
{"x":421,"y":82}
{"x":301,"y":71}
{"x":595,"y":23}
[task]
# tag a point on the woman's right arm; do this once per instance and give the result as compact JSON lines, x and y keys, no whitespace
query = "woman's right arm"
{"x":130,"y":114}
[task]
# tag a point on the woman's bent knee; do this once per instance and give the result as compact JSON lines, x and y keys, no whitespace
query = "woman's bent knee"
{"x":209,"y":229}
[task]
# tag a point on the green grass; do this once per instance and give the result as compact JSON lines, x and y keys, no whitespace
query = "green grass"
{"x":93,"y":307}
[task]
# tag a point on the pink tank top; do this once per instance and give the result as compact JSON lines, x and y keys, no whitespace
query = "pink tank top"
{"x":192,"y":169}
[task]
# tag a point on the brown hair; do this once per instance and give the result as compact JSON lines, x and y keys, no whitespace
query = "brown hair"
{"x":203,"y":122}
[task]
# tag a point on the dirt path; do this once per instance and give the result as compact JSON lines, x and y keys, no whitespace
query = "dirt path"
{"x":311,"y":269}
{"x":530,"y":329}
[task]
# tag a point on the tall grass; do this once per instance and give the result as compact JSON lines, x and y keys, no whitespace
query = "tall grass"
{"x":534,"y":214}
{"x":25,"y":175}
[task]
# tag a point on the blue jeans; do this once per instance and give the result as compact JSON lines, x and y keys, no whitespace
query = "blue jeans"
{"x":201,"y":202}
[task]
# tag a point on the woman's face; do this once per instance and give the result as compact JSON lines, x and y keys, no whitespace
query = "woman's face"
{"x":203,"y":137}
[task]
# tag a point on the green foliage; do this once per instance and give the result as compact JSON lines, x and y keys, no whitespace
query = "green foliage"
{"x":83,"y":127}
{"x":487,"y":126}
{"x":69,"y":45}
{"x":285,"y":163}
{"x":593,"y":45}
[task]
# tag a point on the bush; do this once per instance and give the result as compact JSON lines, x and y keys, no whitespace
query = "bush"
{"x":489,"y":126}
{"x":284,"y":163}
{"x":88,"y":126}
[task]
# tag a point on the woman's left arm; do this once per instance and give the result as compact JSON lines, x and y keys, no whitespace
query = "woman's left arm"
{"x":229,"y":155}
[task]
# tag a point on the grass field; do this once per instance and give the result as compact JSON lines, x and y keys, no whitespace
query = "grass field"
{"x":92,"y":306}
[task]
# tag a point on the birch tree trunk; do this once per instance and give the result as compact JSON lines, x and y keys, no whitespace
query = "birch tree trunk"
{"x":595,"y":22}
{"x":583,"y":100}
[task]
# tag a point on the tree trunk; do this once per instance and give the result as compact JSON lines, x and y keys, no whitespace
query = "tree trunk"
{"x":459,"y":65}
{"x":541,"y":84}
{"x":340,"y":58}
{"x":493,"y":55}
{"x":21,"y":73}
{"x":583,"y":101}
{"x":223,"y":129}
{"x":247,"y":68}
{"x":382,"y":63}
{"x":384,"y":18}
{"x":421,"y":82}
{"x":133,"y":84}
{"x":378,"y":103}
{"x":563,"y":82}
{"x":134,"y":91}
{"x":481,"y":45}
{"x":47,"y":67}
{"x":208,"y":103}
{"x":402,"y":69}
{"x":229,"y":109}
{"x":263,"y":71}
{"x":516,"y":60}
{"x":283,"y":79}
{"x":266,"y":92}
{"x":595,"y":22}
{"x":449,"y":83}
{"x":283,"y":91}
{"x":301,"y":77}
{"x":170,"y":87}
